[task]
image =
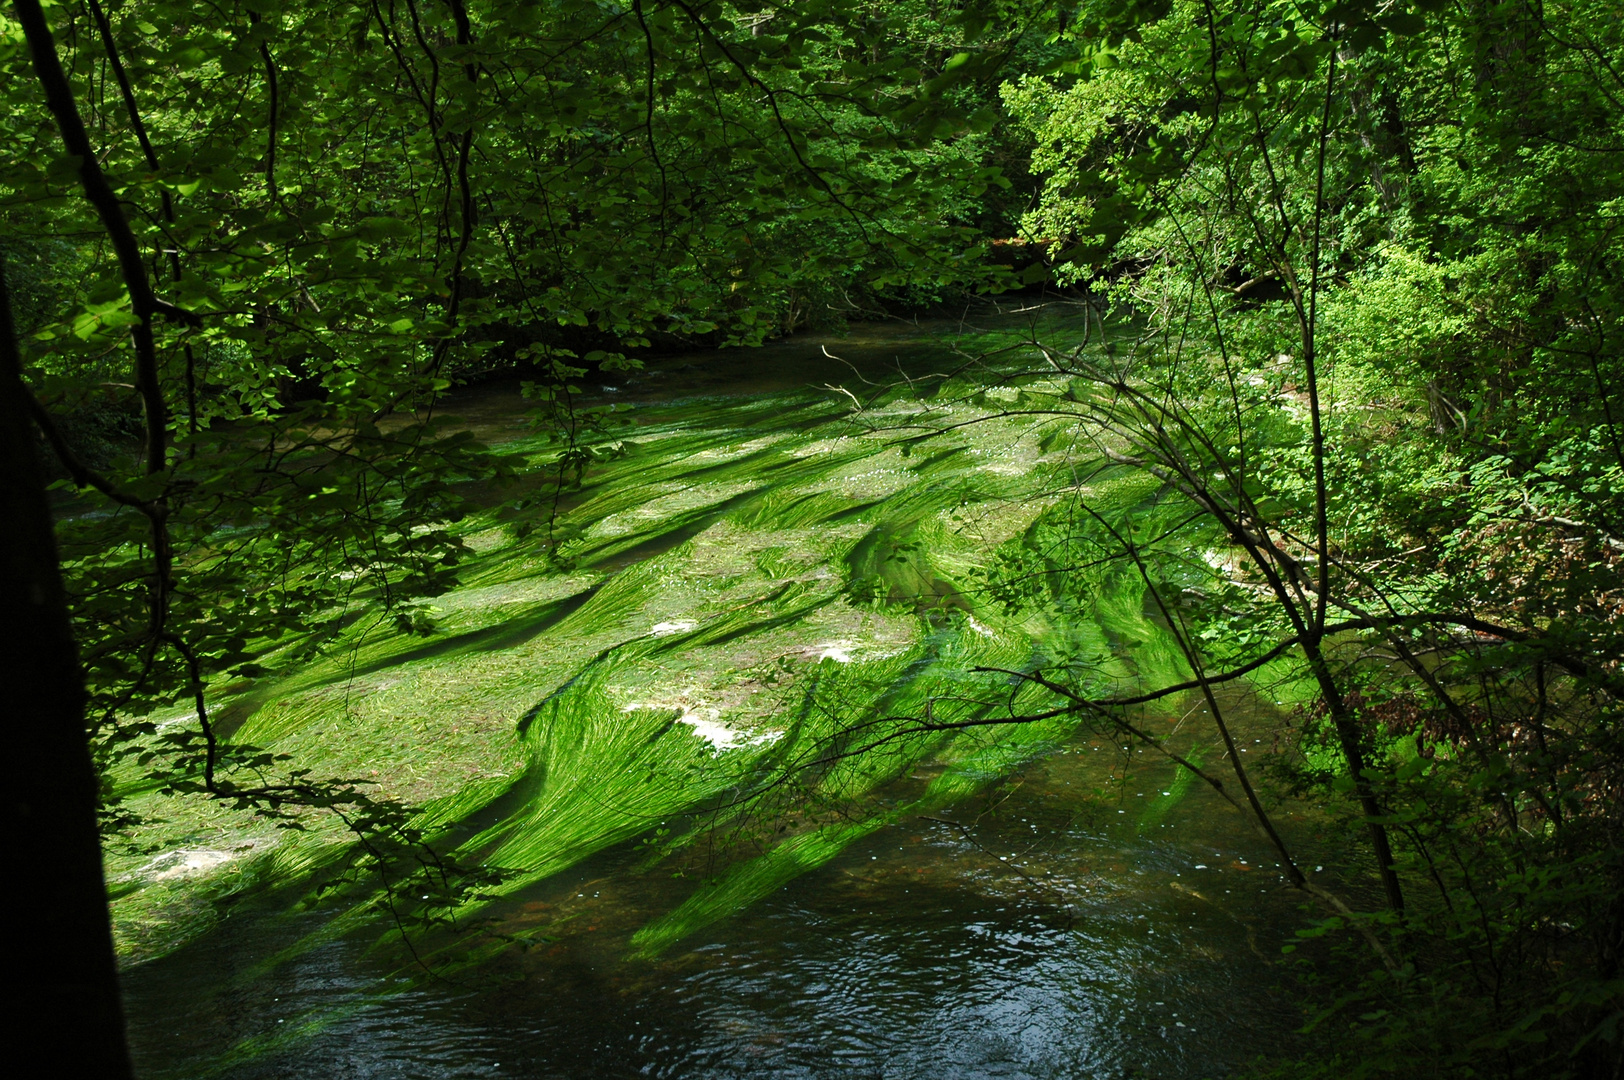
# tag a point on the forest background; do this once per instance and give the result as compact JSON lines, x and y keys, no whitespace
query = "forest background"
{"x":1368,"y":253}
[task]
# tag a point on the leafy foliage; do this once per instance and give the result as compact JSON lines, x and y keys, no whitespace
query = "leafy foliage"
{"x":311,"y":221}
{"x":1378,"y":377}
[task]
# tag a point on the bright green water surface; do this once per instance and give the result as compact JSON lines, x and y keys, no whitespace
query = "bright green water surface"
{"x":747,"y":585}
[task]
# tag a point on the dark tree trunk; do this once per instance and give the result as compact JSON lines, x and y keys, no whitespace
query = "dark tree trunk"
{"x":65,"y":996}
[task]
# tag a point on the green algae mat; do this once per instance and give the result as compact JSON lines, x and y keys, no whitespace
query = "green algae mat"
{"x":726,"y":636}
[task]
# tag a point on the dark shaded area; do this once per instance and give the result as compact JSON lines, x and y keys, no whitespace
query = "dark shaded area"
{"x":71,"y":1012}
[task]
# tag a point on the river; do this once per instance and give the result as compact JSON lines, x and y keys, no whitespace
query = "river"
{"x":1079,"y":911}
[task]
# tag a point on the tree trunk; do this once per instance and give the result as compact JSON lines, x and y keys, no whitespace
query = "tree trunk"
{"x":66,"y":1008}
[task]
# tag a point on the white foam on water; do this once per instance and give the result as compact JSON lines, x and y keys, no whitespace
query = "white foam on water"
{"x":706,"y":722}
{"x":188,"y":862}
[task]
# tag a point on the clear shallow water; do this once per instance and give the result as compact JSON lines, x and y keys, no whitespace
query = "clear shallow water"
{"x":1045,"y":940}
{"x":1056,"y":928}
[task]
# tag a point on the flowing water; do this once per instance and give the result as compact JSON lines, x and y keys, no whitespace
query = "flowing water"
{"x":1033,"y":901}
